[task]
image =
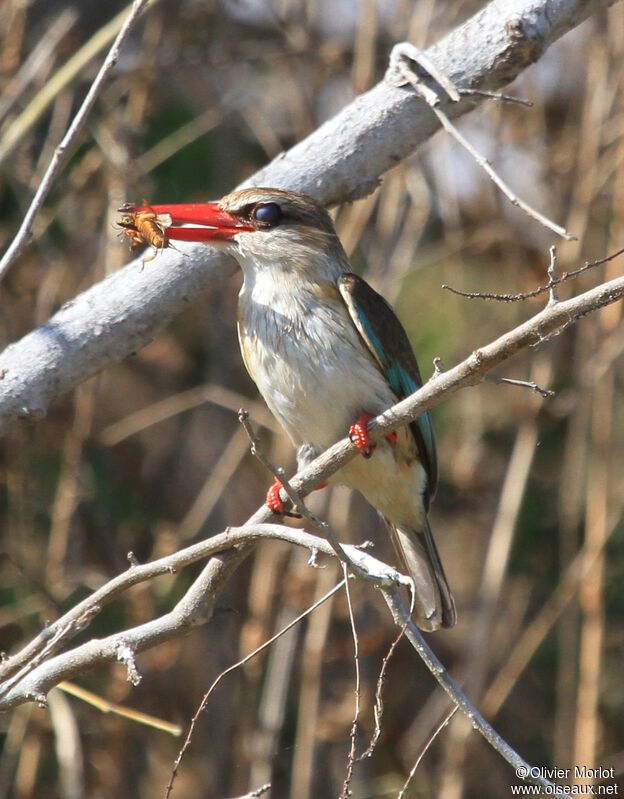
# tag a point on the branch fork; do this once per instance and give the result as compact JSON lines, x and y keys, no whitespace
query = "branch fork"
{"x":385,"y":576}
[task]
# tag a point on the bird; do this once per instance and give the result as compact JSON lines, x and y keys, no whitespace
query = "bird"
{"x":327,"y":353}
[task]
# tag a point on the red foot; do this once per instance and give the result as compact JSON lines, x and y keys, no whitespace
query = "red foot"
{"x":273,"y":499}
{"x":358,"y":433}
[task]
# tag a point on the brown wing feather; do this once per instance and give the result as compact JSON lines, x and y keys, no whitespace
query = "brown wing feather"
{"x":386,"y":339}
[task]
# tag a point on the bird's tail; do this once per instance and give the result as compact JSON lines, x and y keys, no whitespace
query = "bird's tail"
{"x":434,"y":606}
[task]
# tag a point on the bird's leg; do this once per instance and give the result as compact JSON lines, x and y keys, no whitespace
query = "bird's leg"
{"x":306,"y":454}
{"x":358,"y":433}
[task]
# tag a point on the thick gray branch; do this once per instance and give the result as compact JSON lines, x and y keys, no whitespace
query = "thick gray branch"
{"x":340,"y":161}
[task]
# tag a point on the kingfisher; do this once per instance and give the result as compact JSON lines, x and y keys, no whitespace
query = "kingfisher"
{"x":327,"y":353}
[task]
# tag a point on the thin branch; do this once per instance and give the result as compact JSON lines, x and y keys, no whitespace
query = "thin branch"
{"x":379,"y":704}
{"x":433,"y":99}
{"x":257,"y":450}
{"x":504,"y":98}
{"x":427,"y":746}
{"x":483,"y":162}
{"x":231,"y":546}
{"x":351,"y":758}
{"x":485,"y":295}
{"x":56,"y":634}
{"x":544,"y":392}
{"x":405,"y":52}
{"x":402,"y":616}
{"x":62,"y":151}
{"x":51,"y":646}
{"x":194,"y":609}
{"x":553,"y":281}
{"x":553,"y":278}
{"x":233,"y":667}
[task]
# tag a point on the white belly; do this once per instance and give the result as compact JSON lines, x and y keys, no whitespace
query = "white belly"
{"x":312,"y":369}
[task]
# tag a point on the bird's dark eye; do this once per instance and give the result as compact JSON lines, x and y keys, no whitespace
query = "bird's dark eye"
{"x":267,"y":214}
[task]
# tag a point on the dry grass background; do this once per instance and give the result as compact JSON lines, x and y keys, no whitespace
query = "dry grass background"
{"x":205,"y":93}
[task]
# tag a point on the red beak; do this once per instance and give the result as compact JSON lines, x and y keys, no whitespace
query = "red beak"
{"x":217,"y":225}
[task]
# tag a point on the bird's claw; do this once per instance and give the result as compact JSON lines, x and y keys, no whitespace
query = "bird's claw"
{"x":273,"y":499}
{"x":275,"y":503}
{"x":358,"y":433}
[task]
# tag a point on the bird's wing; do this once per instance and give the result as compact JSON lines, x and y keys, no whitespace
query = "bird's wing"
{"x":389,"y":345}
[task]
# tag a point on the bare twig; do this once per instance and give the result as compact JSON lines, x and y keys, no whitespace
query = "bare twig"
{"x":432,"y":99}
{"x":553,"y":281}
{"x":544,"y":392}
{"x":238,"y":664}
{"x":379,"y":704}
{"x":31,"y":664}
{"x":351,"y":758}
{"x":483,"y":162}
{"x":402,"y":616}
{"x":553,"y":278}
{"x":504,"y":98}
{"x":485,"y":295}
{"x":257,"y":450}
{"x":49,"y":641}
{"x":62,"y":151}
{"x":405,"y":52}
{"x":426,"y":748}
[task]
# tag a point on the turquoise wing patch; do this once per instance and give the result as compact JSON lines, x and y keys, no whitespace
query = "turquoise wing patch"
{"x":389,"y":345}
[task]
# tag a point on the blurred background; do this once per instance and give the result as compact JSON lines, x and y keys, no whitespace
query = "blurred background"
{"x":148,"y":456}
